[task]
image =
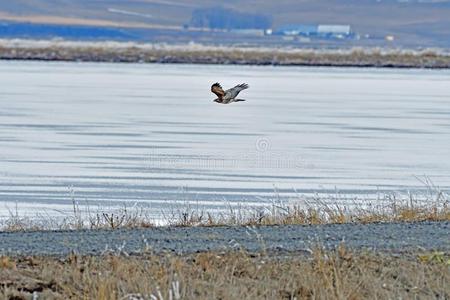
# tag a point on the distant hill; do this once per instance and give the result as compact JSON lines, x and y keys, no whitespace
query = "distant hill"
{"x":411,"y":22}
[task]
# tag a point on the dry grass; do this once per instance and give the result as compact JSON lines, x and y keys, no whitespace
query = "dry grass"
{"x":125,"y":217}
{"x":309,"y":211}
{"x":339,"y":274}
{"x":150,"y":53}
{"x":432,"y":204}
{"x":317,"y":211}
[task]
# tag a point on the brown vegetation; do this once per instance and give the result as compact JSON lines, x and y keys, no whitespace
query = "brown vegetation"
{"x":319,"y":212}
{"x":311,"y":274}
{"x":56,"y":20}
{"x":339,"y":274}
{"x":147,"y":53}
{"x":313,"y":211}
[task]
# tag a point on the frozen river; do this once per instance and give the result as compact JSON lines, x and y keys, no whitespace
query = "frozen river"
{"x":109,"y":134}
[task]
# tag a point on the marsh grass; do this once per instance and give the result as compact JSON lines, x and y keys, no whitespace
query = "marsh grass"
{"x":101,"y":218}
{"x":432,"y":204}
{"x":303,"y":211}
{"x":322,"y":274}
{"x":301,"y":215}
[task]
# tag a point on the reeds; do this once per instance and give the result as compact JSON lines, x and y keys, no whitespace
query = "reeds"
{"x":318,"y":209}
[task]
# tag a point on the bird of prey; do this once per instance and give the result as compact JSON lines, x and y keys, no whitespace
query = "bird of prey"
{"x":228,"y":96}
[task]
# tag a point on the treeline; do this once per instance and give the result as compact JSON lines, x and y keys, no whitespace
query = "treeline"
{"x":222,"y":18}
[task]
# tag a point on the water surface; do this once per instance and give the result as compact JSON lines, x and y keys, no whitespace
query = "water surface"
{"x":109,"y":134}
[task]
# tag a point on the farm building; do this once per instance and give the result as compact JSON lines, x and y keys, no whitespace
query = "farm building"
{"x":305,"y":30}
{"x":254,"y":32}
{"x":322,"y":30}
{"x":334,"y":30}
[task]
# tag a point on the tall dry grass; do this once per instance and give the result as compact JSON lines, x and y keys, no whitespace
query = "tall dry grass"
{"x":432,"y":206}
{"x":339,"y":274}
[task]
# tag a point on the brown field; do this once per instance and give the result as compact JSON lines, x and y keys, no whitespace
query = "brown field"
{"x":412,"y":22}
{"x":57,"y":20}
{"x":339,"y":274}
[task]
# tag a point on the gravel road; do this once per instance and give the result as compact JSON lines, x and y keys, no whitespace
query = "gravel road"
{"x":397,"y":237}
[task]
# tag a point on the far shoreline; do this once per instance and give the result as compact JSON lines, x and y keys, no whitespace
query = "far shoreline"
{"x":355,"y":66}
{"x":123,"y":52}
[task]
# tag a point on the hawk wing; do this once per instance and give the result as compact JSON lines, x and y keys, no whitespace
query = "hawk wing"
{"x":233,"y":92}
{"x":217,"y":89}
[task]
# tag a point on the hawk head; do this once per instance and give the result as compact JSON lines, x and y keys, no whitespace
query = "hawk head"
{"x":217,"y":89}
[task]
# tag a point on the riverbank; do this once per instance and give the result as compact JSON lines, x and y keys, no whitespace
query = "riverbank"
{"x":199,"y":54}
{"x":370,"y":256}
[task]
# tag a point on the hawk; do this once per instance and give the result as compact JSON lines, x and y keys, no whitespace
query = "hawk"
{"x":228,"y":96}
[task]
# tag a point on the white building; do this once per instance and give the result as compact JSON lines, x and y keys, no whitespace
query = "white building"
{"x":334,"y":30}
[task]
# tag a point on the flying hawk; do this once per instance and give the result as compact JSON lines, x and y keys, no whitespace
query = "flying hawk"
{"x":228,"y":96}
